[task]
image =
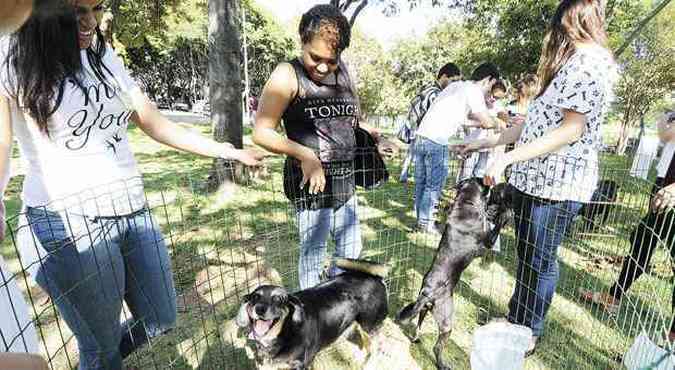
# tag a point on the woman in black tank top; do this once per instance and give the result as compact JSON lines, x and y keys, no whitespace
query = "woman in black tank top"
{"x":315,"y":97}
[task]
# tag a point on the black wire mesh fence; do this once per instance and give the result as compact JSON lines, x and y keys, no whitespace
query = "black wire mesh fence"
{"x":223,"y":244}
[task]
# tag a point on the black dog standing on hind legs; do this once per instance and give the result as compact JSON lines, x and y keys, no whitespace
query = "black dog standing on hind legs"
{"x":473,"y":225}
{"x":290,"y":329}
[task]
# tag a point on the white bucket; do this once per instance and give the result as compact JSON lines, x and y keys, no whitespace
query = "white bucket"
{"x":500,"y":346}
{"x":644,"y":354}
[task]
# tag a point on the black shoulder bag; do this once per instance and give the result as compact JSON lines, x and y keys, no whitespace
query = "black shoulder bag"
{"x":370,"y":170}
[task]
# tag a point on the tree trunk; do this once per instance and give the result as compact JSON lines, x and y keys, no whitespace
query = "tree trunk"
{"x":224,"y":48}
{"x":622,"y":143}
{"x":624,"y":132}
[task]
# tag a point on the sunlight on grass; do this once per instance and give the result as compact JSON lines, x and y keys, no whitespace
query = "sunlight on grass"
{"x":221,"y":249}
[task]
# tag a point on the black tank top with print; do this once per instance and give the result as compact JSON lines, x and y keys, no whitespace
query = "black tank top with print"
{"x":322,"y":117}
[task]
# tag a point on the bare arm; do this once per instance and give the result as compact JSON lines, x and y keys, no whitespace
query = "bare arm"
{"x":5,"y":155}
{"x":162,"y":130}
{"x":509,"y":136}
{"x":22,"y":361}
{"x":666,"y":131}
{"x":483,"y":120}
{"x":5,"y":143}
{"x":278,"y":93}
{"x":570,"y":130}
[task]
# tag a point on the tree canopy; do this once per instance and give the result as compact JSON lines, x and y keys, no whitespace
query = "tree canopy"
{"x":164,"y":42}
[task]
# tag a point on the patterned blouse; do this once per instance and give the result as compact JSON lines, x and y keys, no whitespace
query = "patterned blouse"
{"x":584,"y":84}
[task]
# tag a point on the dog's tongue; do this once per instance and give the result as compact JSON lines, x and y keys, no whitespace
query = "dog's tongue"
{"x":261,"y":327}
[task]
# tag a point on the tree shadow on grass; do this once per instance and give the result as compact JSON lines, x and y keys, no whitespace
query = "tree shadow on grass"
{"x":273,"y":241}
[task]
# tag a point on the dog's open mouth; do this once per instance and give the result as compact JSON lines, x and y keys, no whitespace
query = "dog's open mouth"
{"x":262,"y":327}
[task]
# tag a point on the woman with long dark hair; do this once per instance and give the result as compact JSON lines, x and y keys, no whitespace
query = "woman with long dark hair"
{"x":555,"y":161}
{"x":67,"y":99}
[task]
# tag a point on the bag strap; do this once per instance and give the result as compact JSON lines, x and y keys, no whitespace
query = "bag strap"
{"x":352,"y":88}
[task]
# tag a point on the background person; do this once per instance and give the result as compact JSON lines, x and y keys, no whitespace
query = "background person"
{"x":555,"y":162}
{"x":475,"y":164}
{"x":67,"y":99}
{"x":456,"y":104}
{"x":420,"y":105}
{"x":656,"y":228}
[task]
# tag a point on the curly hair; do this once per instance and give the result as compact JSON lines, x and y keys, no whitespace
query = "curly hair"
{"x":328,"y":23}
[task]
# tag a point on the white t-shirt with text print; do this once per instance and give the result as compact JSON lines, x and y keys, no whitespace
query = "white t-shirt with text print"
{"x":83,"y":164}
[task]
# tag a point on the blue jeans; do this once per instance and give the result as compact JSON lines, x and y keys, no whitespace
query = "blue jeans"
{"x":540,"y":226}
{"x":314,"y":227}
{"x":410,"y":156}
{"x":474,"y":166}
{"x":431,"y":171}
{"x":93,"y":264}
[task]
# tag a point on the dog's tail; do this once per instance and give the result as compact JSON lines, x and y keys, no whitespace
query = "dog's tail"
{"x":367,"y":267}
{"x":407,"y":313}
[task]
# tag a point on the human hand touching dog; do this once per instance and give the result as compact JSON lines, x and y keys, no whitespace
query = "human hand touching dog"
{"x":386,"y":147}
{"x":664,"y":198}
{"x":495,"y":170}
{"x":466,"y":148}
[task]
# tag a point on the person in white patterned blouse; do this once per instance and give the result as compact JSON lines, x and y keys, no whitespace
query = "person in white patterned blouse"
{"x":555,"y":161}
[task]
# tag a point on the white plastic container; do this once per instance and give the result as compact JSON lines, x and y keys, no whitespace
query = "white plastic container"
{"x":500,"y":346}
{"x":644,"y":354}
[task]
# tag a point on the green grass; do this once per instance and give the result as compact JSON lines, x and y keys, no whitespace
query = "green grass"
{"x":225,"y":243}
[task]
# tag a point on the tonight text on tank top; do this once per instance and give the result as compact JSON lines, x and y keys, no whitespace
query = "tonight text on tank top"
{"x":322,"y":117}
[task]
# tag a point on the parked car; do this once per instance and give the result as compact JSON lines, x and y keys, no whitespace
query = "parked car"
{"x":181,"y":107}
{"x":202,"y":107}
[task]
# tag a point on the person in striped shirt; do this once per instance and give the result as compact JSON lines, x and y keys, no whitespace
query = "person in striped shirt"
{"x":420,"y":105}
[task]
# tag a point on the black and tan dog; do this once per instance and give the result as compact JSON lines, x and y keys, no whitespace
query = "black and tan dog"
{"x":290,"y":329}
{"x":474,"y":222}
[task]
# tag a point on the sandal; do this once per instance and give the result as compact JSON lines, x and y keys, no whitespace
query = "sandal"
{"x":604,"y":300}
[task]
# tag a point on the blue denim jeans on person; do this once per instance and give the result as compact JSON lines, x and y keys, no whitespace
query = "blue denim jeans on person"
{"x":314,"y":227}
{"x":93,"y":264}
{"x":431,"y":171}
{"x":407,"y":162}
{"x":540,"y":226}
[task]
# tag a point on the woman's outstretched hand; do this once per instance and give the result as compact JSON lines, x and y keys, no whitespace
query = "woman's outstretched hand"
{"x":249,"y":157}
{"x":495,"y":171}
{"x":467,"y":148}
{"x":664,"y":198}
